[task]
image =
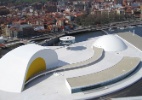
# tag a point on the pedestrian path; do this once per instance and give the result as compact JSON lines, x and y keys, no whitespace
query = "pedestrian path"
{"x":132,"y":38}
{"x":108,"y":76}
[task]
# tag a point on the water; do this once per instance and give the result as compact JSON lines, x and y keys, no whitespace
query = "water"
{"x":87,"y":35}
{"x":136,"y":30}
{"x":6,"y":50}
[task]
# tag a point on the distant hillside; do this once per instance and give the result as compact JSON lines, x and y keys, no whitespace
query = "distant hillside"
{"x":30,"y":1}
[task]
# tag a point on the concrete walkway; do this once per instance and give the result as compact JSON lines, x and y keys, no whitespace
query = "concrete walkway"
{"x":132,"y":38}
{"x":107,"y":76}
{"x":112,"y":88}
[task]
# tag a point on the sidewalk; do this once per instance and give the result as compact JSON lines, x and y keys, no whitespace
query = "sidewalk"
{"x":112,"y":88}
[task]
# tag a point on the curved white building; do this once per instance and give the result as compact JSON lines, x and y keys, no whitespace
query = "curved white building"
{"x":22,"y":63}
{"x":110,"y":43}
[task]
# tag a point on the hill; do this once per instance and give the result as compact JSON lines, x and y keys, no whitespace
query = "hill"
{"x":28,"y":1}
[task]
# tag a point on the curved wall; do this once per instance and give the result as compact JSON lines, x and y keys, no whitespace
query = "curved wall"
{"x":20,"y":64}
{"x":37,"y":66}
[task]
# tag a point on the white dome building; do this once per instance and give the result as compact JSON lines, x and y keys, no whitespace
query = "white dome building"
{"x":110,"y":43}
{"x":22,"y":63}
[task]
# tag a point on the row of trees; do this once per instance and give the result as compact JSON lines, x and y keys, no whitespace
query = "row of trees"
{"x":102,"y":18}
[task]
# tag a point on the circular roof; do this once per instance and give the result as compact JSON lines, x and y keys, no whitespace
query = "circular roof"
{"x":67,"y":38}
{"x":110,"y":43}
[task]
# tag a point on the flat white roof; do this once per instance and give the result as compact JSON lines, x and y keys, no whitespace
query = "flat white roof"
{"x":53,"y":86}
{"x":67,"y":38}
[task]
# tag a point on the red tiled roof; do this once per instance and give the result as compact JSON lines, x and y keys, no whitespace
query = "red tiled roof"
{"x":2,"y":45}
